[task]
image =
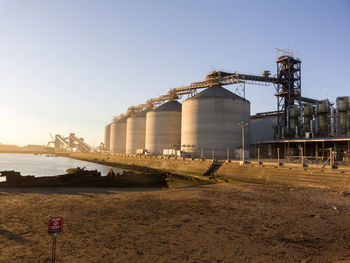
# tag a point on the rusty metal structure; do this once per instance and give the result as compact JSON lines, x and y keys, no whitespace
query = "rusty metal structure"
{"x":70,"y":143}
{"x":288,"y":91}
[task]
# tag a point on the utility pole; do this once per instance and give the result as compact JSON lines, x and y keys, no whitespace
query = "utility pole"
{"x":331,"y":157}
{"x":243,"y":124}
{"x":301,"y":157}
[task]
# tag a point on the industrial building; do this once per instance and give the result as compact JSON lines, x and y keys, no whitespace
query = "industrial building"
{"x":216,"y":123}
{"x":317,"y":132}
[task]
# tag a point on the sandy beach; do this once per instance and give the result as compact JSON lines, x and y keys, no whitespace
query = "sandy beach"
{"x":208,"y":223}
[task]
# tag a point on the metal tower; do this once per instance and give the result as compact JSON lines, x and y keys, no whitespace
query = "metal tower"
{"x":288,"y":89}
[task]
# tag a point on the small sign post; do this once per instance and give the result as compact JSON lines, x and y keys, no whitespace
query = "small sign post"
{"x":55,"y":227}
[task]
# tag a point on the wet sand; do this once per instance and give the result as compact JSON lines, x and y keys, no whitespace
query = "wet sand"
{"x":210,"y":223}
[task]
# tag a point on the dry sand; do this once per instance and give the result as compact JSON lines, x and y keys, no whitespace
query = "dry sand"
{"x":212,"y":223}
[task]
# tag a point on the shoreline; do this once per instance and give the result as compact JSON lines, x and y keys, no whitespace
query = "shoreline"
{"x":173,"y":177}
{"x":229,"y":172}
{"x":192,"y":171}
{"x":26,"y":152}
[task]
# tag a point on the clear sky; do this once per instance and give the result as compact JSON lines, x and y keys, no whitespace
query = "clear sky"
{"x":71,"y":65}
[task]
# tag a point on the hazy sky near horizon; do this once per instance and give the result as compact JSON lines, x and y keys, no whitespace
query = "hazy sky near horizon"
{"x":71,"y":65}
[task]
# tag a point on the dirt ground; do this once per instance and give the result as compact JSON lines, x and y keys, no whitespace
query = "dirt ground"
{"x":210,"y":223}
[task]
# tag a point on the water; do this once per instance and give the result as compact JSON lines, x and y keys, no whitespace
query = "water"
{"x":42,"y":165}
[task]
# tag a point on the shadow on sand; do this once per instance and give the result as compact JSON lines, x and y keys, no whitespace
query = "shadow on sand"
{"x":73,"y":190}
{"x":12,"y":236}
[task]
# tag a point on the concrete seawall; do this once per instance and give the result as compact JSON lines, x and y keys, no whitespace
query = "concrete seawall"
{"x":172,"y":165}
{"x":288,"y":174}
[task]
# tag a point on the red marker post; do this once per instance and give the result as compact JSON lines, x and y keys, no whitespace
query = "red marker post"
{"x":55,"y":227}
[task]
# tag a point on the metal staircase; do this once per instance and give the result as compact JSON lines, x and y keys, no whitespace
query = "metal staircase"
{"x":213,"y":168}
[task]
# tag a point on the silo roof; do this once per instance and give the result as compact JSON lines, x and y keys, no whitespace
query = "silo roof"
{"x":140,"y":114}
{"x":122,"y":120}
{"x":172,"y":105}
{"x":217,"y":92}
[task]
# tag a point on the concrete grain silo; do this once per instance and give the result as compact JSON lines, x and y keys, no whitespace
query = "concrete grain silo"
{"x":210,"y":121}
{"x":163,"y":127}
{"x":135,"y":132}
{"x":118,"y":136}
{"x":107,"y":137}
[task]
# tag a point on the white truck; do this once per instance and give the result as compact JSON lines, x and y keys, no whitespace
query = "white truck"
{"x":172,"y":152}
{"x":142,"y":152}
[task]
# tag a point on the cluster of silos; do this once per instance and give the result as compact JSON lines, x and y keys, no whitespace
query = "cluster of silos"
{"x":210,"y":120}
{"x":328,"y":120}
{"x":153,"y":130}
